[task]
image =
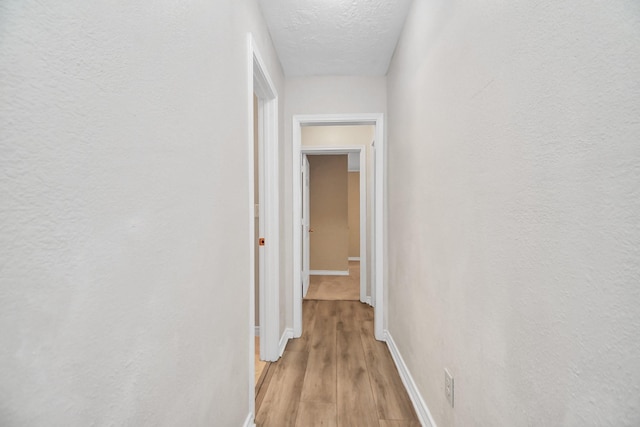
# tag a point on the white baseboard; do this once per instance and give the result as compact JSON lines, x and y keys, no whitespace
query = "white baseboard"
{"x":329,"y":273}
{"x":284,"y":339}
{"x":354,"y":258}
{"x":257,"y":331}
{"x":248,"y":422}
{"x":424,"y":415}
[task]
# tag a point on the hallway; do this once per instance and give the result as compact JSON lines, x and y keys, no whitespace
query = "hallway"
{"x":320,"y":379}
{"x":503,"y":251}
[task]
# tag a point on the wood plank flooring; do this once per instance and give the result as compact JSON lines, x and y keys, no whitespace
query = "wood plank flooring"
{"x":335,"y":374}
{"x":259,"y":365}
{"x":336,"y":287}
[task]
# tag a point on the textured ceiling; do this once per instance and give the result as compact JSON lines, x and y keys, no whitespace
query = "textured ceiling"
{"x":335,"y":37}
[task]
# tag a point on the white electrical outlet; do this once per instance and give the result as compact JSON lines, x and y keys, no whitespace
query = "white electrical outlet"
{"x":448,"y":387}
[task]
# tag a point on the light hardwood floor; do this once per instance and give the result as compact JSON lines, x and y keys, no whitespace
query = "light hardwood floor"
{"x":335,"y":374}
{"x":258,"y":364}
{"x":336,"y":287}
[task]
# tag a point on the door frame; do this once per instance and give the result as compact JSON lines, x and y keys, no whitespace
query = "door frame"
{"x":260,"y":83}
{"x":378,"y":282}
{"x":362,"y":152}
{"x":306,"y":224}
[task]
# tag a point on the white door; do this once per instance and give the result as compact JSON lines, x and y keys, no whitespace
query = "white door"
{"x":305,"y":225}
{"x":260,"y":231}
{"x":372,"y":261}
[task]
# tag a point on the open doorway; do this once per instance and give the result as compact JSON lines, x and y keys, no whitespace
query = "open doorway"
{"x":375,"y":266}
{"x":258,"y":153}
{"x":332,"y":210}
{"x":332,"y":239}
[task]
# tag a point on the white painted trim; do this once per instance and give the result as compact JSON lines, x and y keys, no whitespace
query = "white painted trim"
{"x":373,"y":194}
{"x":287,"y":334}
{"x":305,"y":286}
{"x":364,"y":270}
{"x":305,"y":225}
{"x":377,"y":250}
{"x":368,"y":301}
{"x":296,"y":171}
{"x":424,"y":415}
{"x":268,"y":133}
{"x":328,"y":272}
{"x":331,"y":150}
{"x":260,"y":83}
{"x":354,"y":258}
{"x":378,"y":282}
{"x":251,"y":234}
{"x":248,"y":422}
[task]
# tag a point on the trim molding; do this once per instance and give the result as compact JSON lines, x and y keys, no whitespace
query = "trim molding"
{"x":361,"y":150}
{"x":284,"y":339}
{"x":424,"y":415}
{"x":328,"y":272}
{"x":259,"y":83}
{"x":354,"y":258}
{"x":248,"y":422}
{"x":367,"y":300}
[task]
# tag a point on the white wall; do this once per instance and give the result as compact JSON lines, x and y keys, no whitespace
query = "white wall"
{"x":514,"y":210}
{"x":320,"y":95}
{"x":121,"y":127}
